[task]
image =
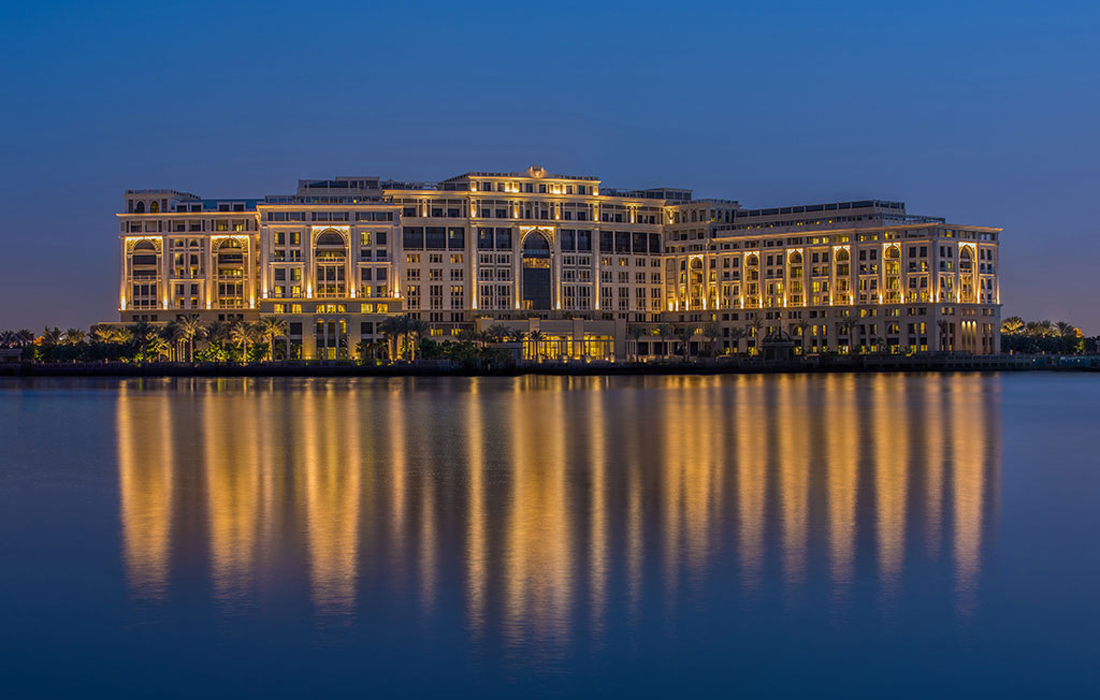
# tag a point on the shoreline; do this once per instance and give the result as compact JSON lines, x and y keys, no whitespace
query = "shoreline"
{"x":868,"y":364}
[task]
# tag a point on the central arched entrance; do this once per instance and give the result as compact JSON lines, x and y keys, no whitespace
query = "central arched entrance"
{"x":536,"y":272}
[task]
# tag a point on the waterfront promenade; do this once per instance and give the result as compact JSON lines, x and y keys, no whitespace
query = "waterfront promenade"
{"x":744,"y":365}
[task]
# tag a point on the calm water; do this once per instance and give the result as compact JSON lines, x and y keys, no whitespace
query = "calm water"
{"x":814,"y":535}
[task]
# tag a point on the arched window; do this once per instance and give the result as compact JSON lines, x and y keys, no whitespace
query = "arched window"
{"x":145,"y":253}
{"x":696,"y":266}
{"x":154,"y":208}
{"x":795,"y":258}
{"x":139,"y":208}
{"x":966,"y":260}
{"x":892,"y":253}
{"x":843,"y":264}
{"x":536,"y":271}
{"x":330,"y":238}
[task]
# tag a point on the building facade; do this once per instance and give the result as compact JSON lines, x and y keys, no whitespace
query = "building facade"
{"x":599,"y":273}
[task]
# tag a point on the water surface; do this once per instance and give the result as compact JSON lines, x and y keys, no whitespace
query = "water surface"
{"x":840,"y":535}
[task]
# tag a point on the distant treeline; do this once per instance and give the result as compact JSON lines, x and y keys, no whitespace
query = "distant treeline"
{"x":1018,"y":335}
{"x":189,"y":340}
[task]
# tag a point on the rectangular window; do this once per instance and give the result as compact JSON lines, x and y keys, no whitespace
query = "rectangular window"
{"x":456,"y":238}
{"x":435,"y":238}
{"x":607,"y":241}
{"x":413,"y":238}
{"x":584,"y":241}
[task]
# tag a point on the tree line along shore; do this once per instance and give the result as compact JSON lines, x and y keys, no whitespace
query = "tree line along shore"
{"x":407,"y":339}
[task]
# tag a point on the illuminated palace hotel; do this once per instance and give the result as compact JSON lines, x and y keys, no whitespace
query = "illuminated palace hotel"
{"x":582,"y":264}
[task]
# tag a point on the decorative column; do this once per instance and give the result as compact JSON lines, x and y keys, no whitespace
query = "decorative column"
{"x":124,"y":297}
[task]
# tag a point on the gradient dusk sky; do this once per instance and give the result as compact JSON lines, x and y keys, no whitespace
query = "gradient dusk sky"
{"x":981,"y":112}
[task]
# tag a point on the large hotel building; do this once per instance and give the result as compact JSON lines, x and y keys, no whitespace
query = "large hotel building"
{"x":588,"y":267}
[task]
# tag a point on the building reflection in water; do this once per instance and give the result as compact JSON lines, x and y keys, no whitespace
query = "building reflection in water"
{"x":548,"y":507}
{"x":146,"y":470}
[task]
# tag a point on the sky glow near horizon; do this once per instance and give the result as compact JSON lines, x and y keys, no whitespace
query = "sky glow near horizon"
{"x":984,"y":113}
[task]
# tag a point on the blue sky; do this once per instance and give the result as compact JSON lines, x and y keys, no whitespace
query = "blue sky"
{"x":982,"y":112}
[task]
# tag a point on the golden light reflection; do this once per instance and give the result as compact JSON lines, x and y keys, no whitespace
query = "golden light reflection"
{"x":752,"y":479}
{"x":397,"y":454}
{"x":842,"y":480}
{"x":635,"y":524}
{"x":598,"y":513}
{"x":477,"y":538}
{"x":558,"y":505}
{"x":791,"y":426}
{"x":538,"y":561}
{"x":233,"y":493}
{"x":333,"y":489}
{"x":889,"y":435}
{"x":146,"y":469}
{"x":968,"y":449}
{"x":933,"y":449}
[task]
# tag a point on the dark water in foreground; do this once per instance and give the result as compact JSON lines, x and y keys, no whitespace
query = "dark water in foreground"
{"x":846,"y":535}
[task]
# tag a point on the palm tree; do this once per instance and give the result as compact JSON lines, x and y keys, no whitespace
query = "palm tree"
{"x":155,"y":346}
{"x":713,"y":332}
{"x":139,"y":335}
{"x":846,"y":325}
{"x":399,"y":332}
{"x":24,"y":337}
{"x":370,"y":348}
{"x":736,"y":334}
{"x":635,"y":332}
{"x":536,"y":337}
{"x":498,"y":333}
{"x":801,"y":325}
{"x":242,"y":333}
{"x":393,"y":328}
{"x":121,"y":335}
{"x":171,"y":334}
{"x":52,"y":336}
{"x":217,"y":333}
{"x":103,"y":334}
{"x":1012,"y":324}
{"x":1067,"y":330}
{"x":74,"y":336}
{"x":8,"y":339}
{"x":270,"y":328}
{"x":187,"y":330}
{"x":757,"y":325}
{"x":469,"y":335}
{"x":415,"y":330}
{"x":662,"y":331}
{"x":684,"y":334}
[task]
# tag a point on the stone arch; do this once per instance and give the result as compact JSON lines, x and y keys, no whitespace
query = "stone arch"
{"x":536,"y":274}
{"x":330,"y":237}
